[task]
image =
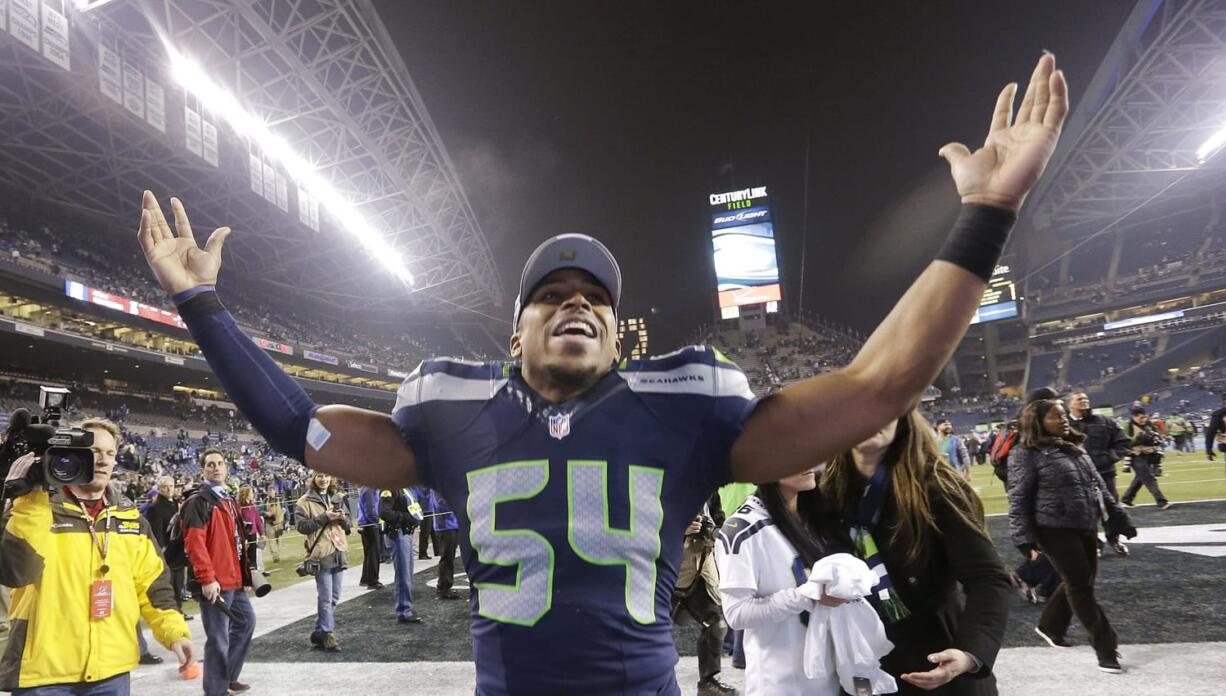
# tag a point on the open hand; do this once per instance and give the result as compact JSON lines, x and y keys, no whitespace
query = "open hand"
{"x":949,"y":664}
{"x":1016,"y":151}
{"x":177,"y":262}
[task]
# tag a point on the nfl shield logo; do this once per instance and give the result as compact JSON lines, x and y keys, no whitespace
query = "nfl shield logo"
{"x":559,"y":425}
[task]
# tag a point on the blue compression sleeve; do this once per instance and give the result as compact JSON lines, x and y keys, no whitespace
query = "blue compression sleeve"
{"x":274,"y":403}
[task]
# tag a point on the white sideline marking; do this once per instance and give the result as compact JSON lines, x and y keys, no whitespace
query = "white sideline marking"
{"x":1210,"y":551}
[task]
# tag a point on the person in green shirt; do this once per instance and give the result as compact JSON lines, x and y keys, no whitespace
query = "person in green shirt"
{"x":1180,"y":431}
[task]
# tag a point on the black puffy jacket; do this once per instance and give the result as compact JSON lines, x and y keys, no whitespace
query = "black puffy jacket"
{"x":1105,"y":442}
{"x":1053,"y":487}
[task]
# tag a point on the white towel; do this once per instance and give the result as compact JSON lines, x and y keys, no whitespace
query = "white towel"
{"x":848,"y":639}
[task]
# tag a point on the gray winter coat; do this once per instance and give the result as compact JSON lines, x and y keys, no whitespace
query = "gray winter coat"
{"x":1052,"y":487}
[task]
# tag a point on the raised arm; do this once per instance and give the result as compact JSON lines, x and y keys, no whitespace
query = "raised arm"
{"x":351,"y":443}
{"x":816,"y":419}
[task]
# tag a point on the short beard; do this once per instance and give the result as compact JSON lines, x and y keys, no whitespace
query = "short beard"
{"x":572,"y":380}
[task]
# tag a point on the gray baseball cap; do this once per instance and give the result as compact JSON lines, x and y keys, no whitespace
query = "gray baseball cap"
{"x":569,"y":251}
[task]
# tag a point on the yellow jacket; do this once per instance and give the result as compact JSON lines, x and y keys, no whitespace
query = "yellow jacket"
{"x":49,"y":559}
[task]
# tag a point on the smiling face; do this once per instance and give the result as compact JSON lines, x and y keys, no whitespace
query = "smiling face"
{"x":322,"y":481}
{"x":567,"y":333}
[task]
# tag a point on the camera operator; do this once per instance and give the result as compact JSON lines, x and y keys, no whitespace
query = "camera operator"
{"x":697,"y":596}
{"x":218,"y":560}
{"x":84,"y":568}
{"x":1147,"y":446}
{"x":323,"y":521}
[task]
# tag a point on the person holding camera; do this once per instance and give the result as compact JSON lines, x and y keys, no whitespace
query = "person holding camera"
{"x":218,"y":558}
{"x":697,"y":595}
{"x":1146,"y":458}
{"x":323,"y":520}
{"x":84,"y":568}
{"x":401,"y":513}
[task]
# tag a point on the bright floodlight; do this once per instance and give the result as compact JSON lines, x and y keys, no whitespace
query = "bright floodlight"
{"x":87,"y":5}
{"x":220,"y":101}
{"x":1211,"y":146}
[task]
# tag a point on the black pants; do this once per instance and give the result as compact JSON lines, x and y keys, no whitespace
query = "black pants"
{"x":427,"y":533}
{"x":1073,"y":552}
{"x":178,"y":577}
{"x":695,"y":604}
{"x":371,"y":549}
{"x":446,"y":562}
{"x":1114,"y":492}
{"x":1143,"y":475}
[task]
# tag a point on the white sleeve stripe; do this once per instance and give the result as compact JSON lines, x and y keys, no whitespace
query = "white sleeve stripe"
{"x":439,"y":386}
{"x":693,"y":378}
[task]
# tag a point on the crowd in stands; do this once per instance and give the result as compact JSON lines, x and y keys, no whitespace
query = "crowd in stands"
{"x":80,"y":252}
{"x":1175,"y":268}
{"x":776,"y":356}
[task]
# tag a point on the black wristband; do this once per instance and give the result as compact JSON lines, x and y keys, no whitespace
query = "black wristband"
{"x":200,"y":305}
{"x":977,"y":239}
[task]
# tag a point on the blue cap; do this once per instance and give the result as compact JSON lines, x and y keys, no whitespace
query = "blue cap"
{"x":569,"y":251}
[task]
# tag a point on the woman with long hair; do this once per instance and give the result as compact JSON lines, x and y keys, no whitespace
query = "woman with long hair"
{"x":1056,"y":501}
{"x":253,"y":524}
{"x":764,"y":552}
{"x":921,"y":528}
{"x":323,"y":520}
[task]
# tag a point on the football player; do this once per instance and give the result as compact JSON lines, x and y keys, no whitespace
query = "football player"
{"x":574,"y":473}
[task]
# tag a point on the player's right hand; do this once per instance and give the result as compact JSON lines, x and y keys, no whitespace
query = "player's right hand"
{"x":175,"y":259}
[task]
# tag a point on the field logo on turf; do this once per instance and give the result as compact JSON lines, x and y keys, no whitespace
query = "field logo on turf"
{"x":1198,"y":539}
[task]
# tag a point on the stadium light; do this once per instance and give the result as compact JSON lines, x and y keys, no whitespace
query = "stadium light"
{"x":87,"y":5}
{"x":246,"y":124}
{"x":1211,"y":146}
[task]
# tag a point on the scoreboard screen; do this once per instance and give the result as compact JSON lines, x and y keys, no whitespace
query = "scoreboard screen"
{"x":743,"y":237}
{"x":1000,"y":299}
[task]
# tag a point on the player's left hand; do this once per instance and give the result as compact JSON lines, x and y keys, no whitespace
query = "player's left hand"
{"x":1017,"y":149}
{"x":949,"y":664}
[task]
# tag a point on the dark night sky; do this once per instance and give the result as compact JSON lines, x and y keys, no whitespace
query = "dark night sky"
{"x":615,"y":118}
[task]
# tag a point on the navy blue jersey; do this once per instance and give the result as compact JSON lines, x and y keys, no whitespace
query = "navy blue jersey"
{"x":572,"y":515}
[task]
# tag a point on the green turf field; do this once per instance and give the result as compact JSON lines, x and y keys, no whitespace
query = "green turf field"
{"x":1187,"y":477}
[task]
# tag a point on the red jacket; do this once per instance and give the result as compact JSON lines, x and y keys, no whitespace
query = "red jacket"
{"x":212,"y":541}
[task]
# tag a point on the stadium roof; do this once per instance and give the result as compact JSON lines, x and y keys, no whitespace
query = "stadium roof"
{"x":1158,"y":97}
{"x":324,"y":77}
